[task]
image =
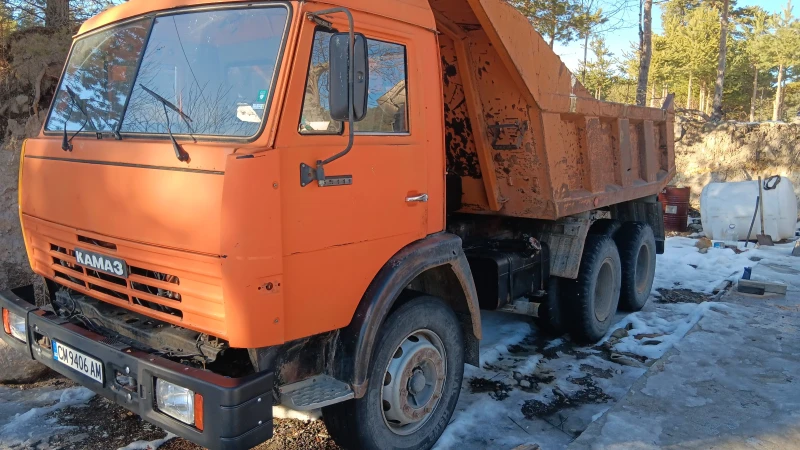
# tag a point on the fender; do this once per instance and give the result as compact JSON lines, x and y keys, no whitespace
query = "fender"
{"x":441,"y":250}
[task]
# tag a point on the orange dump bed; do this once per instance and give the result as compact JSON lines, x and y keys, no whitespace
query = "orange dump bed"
{"x":527,"y":139}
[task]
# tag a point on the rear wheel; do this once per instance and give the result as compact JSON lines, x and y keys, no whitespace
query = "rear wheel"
{"x":414,"y":382}
{"x":594,"y":296}
{"x":637,"y":252}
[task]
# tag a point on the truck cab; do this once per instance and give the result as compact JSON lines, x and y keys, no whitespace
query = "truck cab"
{"x":239,"y":204}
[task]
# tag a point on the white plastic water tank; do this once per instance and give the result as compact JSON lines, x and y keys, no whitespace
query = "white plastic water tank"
{"x":722,"y":204}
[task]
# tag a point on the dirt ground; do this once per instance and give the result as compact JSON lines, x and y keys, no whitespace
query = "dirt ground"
{"x":103,"y":425}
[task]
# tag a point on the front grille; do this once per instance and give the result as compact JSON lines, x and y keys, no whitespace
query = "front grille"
{"x":156,"y":291}
{"x":97,"y":243}
{"x":174,"y":286}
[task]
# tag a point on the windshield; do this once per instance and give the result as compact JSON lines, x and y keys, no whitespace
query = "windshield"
{"x":215,"y":66}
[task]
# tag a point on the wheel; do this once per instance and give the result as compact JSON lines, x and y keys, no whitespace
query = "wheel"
{"x":550,"y":315}
{"x":594,"y":296}
{"x":414,"y":382}
{"x":637,"y":252}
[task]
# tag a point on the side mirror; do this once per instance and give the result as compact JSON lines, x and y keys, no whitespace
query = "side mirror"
{"x":339,"y":86}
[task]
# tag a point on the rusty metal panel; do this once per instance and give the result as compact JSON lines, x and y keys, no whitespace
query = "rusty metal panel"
{"x":525,"y":136}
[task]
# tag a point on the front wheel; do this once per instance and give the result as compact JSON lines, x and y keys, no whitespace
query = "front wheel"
{"x":414,"y":382}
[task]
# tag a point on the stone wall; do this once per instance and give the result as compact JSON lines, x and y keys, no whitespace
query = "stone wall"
{"x":736,"y":152}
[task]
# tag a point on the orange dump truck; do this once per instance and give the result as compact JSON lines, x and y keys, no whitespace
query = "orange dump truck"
{"x":241,"y":204}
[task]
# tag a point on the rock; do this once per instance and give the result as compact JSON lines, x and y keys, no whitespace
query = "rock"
{"x":648,"y":335}
{"x":518,"y":376}
{"x":620,"y":333}
{"x":703,"y":251}
{"x":625,"y":360}
{"x":16,"y":368}
{"x":525,"y":383}
{"x":703,"y":242}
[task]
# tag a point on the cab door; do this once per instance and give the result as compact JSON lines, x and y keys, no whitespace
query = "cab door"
{"x":336,"y":238}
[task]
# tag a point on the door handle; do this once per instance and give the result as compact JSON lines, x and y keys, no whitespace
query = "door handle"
{"x":419,"y":198}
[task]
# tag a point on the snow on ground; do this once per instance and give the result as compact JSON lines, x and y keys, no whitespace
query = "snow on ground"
{"x":534,"y":389}
{"x":149,"y":445}
{"x":652,"y":332}
{"x":22,"y":412}
{"x":682,"y":266}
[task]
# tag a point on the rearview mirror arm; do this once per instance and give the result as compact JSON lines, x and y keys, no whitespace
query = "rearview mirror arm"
{"x":308,"y":173}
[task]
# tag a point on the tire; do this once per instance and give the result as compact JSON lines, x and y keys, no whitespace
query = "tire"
{"x":550,"y":318}
{"x":594,"y":296}
{"x":366,"y":423}
{"x":637,"y":252}
{"x":605,"y":227}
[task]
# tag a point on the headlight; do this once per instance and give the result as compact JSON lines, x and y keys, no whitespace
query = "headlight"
{"x":14,"y":325}
{"x":176,"y":401}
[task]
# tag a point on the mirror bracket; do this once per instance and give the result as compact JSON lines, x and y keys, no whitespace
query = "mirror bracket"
{"x":319,"y":21}
{"x":308,"y":173}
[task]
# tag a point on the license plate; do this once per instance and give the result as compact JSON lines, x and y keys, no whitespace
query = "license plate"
{"x":102,"y":263}
{"x":76,"y":360}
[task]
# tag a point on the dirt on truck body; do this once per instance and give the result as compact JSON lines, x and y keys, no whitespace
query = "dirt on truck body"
{"x":239,"y":204}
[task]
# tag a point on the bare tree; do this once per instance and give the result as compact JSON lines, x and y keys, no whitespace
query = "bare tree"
{"x":717,"y":114}
{"x":645,"y":51}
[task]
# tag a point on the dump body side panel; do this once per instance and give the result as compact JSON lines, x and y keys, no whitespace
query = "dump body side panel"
{"x":525,"y":137}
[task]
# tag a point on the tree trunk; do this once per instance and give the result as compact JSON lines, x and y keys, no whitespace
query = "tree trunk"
{"x":653,"y":95}
{"x":585,"y":57}
{"x":778,"y":105}
{"x":645,"y":52}
{"x":717,"y":114}
{"x":702,"y":106}
{"x":755,"y":95}
{"x":56,"y":13}
{"x":689,"y":94}
{"x":552,"y":40}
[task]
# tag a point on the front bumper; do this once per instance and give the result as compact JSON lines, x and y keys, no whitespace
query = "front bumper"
{"x":237,"y":413}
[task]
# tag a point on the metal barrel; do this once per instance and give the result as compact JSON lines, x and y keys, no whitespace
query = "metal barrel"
{"x":675,"y":201}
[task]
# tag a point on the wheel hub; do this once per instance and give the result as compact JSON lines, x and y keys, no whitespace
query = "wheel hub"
{"x":417,"y":382}
{"x":413,"y":382}
{"x":604,"y":291}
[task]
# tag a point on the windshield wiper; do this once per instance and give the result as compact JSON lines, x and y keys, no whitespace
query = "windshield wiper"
{"x":180,"y":153}
{"x":66,"y":143}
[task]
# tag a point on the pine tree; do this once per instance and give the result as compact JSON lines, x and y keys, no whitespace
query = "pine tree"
{"x":756,"y":31}
{"x":555,"y":20}
{"x":783,"y":52}
{"x":645,"y":51}
{"x":723,"y":53}
{"x":599,"y":72}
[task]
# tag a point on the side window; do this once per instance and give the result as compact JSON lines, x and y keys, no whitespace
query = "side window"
{"x":316,"y":115}
{"x":387,"y":108}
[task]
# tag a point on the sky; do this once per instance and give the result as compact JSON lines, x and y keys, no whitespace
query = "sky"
{"x":621,"y":40}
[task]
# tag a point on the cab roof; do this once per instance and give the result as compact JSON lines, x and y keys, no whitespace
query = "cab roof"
{"x":415,"y":12}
